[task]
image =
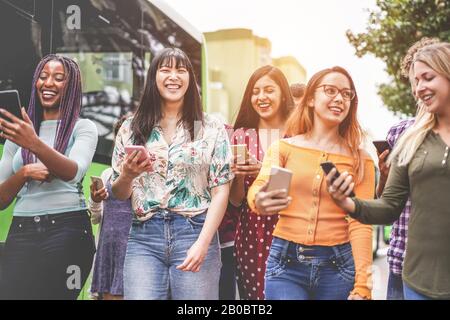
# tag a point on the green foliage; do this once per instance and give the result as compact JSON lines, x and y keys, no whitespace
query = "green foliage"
{"x":392,"y":28}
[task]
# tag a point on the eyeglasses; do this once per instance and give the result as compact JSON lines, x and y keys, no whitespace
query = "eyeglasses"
{"x":332,"y":91}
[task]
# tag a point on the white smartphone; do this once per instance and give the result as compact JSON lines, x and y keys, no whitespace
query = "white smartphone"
{"x":280,"y":178}
{"x":98,"y":182}
{"x":240,"y":151}
{"x":144,"y":152}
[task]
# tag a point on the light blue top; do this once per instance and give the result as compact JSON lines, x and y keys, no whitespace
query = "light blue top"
{"x":57,"y":196}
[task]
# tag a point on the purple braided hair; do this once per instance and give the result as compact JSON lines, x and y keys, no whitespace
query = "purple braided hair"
{"x":69,"y":106}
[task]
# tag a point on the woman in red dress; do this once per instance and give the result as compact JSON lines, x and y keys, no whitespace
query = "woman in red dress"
{"x":264,"y":109}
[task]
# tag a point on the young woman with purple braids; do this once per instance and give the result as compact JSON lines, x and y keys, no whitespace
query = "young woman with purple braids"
{"x":49,"y":249}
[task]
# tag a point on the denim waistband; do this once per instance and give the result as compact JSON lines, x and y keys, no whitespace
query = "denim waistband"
{"x":167,"y":213}
{"x":45,"y":219}
{"x":312,"y":252}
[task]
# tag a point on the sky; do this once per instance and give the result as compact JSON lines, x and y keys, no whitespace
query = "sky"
{"x":311,"y":31}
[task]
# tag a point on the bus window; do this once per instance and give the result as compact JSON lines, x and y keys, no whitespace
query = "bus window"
{"x":112,"y":40}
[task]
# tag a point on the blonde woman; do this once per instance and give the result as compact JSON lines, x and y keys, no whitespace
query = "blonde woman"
{"x":420,"y":168}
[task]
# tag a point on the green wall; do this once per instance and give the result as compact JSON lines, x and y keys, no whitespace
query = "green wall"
{"x":6,"y":215}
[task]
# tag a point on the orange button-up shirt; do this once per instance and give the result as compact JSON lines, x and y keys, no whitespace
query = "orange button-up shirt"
{"x":313,"y":218}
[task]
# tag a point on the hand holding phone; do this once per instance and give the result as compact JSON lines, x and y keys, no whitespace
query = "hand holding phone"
{"x":15,"y":125}
{"x":97,"y":182}
{"x":244,"y":164}
{"x":98,"y":191}
{"x":10,"y":101}
{"x":273,"y":196}
{"x":240,"y":153}
{"x":381,"y":146}
{"x":137,"y":166}
{"x":141,"y":149}
{"x":327,"y":167}
{"x":280,"y":178}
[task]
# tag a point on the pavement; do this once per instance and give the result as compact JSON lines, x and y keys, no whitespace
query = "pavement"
{"x":380,"y":274}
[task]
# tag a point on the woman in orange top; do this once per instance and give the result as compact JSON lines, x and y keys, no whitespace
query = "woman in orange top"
{"x":317,"y":251}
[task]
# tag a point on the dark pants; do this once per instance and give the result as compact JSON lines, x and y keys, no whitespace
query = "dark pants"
{"x":227,"y":284}
{"x":47,"y":257}
{"x":395,"y":287}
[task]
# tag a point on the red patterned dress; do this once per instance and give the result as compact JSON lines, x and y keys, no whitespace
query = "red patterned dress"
{"x":253,"y":233}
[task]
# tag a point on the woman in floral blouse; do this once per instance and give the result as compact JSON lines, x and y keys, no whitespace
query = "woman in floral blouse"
{"x":180,"y":193}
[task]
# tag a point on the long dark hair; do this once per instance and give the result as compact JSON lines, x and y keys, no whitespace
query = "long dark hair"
{"x":247,"y":116}
{"x":69,"y":105}
{"x":149,"y":111}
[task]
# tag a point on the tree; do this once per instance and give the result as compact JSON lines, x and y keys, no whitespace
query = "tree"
{"x":392,"y":28}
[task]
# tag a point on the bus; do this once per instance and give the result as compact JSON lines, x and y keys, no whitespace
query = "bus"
{"x":113,"y":42}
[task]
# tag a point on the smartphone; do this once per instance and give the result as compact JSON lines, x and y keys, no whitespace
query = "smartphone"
{"x":280,"y":178}
{"x":381,"y":145}
{"x":144,"y":152}
{"x":10,"y":101}
{"x":327,"y":166}
{"x":98,"y":182}
{"x":241,"y":151}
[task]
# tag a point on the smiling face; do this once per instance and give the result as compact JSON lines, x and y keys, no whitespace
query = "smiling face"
{"x":50,"y":84}
{"x":432,"y":88}
{"x":266,"y":98}
{"x":331,"y":110}
{"x":172,"y":82}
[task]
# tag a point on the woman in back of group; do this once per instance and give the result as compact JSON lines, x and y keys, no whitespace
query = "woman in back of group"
{"x":114,"y":219}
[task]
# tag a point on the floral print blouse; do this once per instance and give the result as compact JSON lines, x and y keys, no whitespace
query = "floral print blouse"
{"x":183,"y":172}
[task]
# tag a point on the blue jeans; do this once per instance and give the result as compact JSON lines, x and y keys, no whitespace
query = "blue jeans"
{"x":411,"y":294}
{"x":395,"y":287}
{"x":156,"y":247}
{"x":299,"y":272}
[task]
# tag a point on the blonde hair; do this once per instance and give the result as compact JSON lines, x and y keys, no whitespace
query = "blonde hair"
{"x":437,"y":57}
{"x":409,"y":56}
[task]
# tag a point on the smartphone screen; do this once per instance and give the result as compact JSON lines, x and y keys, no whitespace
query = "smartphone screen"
{"x":10,"y":101}
{"x":381,"y":145}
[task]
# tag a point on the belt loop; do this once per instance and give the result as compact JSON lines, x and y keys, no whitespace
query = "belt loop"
{"x":284,"y":251}
{"x":336,"y":252}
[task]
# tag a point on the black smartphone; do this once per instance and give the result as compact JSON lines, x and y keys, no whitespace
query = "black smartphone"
{"x":327,"y":166}
{"x":381,"y":145}
{"x":10,"y":101}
